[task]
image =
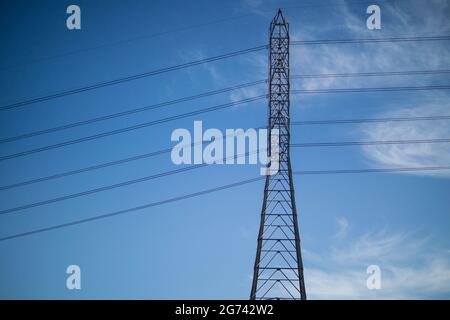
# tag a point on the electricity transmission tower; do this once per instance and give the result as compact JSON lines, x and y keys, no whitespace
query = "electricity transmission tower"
{"x":278,"y":271}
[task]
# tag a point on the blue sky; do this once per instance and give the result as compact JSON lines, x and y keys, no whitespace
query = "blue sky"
{"x":204,"y":247}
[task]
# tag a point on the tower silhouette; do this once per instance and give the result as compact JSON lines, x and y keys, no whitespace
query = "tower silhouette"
{"x":278,"y":270}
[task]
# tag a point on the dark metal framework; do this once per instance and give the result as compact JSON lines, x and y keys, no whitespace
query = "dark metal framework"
{"x":278,"y":271}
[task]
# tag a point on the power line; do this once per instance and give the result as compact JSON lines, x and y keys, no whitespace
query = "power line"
{"x":383,"y":170}
{"x":128,"y":40}
{"x":131,"y":128}
{"x":147,"y":36}
{"x":118,"y":185}
{"x":205,"y":110}
{"x":210,"y":93}
{"x":86,"y":169}
{"x":124,"y":41}
{"x":149,"y":205}
{"x":104,"y":165}
{"x":212,"y":190}
{"x":132,"y":77}
{"x":369,"y":40}
{"x":366,"y":143}
{"x":176,"y":171}
{"x":210,"y":59}
{"x":132,"y":111}
{"x":369,"y":120}
{"x":379,"y":89}
{"x":370,"y":74}
{"x":168,"y":150}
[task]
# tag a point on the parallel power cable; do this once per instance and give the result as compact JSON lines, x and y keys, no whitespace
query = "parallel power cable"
{"x":120,"y":212}
{"x":369,"y":120}
{"x":366,"y":143}
{"x":212,"y":190}
{"x":118,"y":185}
{"x":123,"y":41}
{"x":176,"y":171}
{"x":214,"y":92}
{"x":168,"y":150}
{"x":378,"y":89}
{"x":212,"y":59}
{"x":131,"y":111}
{"x":370,"y":74}
{"x":382,"y":170}
{"x":210,"y":109}
{"x":369,"y":40}
{"x":131,"y":78}
{"x":131,"y":128}
{"x":109,"y":164}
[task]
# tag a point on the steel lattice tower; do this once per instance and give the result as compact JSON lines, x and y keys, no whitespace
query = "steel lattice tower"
{"x":278,"y":271}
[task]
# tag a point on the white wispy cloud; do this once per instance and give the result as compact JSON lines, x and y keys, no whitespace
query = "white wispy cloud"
{"x":342,"y":227}
{"x":405,"y":19}
{"x":374,"y":57}
{"x":411,"y":155}
{"x":410,"y":268}
{"x":380,"y":246}
{"x":257,"y":63}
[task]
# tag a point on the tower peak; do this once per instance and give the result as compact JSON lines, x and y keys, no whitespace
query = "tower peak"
{"x":279,"y":17}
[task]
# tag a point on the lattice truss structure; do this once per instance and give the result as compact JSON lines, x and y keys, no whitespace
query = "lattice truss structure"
{"x":278,"y":271}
